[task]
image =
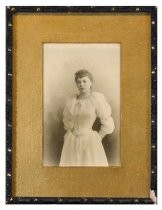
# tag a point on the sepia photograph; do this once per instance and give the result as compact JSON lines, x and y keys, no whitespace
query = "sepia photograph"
{"x":81,"y":104}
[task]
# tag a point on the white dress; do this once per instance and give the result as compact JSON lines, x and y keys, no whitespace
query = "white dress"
{"x":82,"y":145}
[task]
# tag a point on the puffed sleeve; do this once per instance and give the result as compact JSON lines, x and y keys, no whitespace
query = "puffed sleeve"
{"x":104,"y":113}
{"x":68,"y":123}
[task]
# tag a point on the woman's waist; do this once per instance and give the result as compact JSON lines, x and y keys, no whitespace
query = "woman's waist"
{"x":81,"y":131}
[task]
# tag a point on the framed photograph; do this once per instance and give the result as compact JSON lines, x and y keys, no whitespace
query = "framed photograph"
{"x":81,"y":105}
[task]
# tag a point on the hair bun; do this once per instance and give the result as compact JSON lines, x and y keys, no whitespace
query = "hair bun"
{"x":83,"y":73}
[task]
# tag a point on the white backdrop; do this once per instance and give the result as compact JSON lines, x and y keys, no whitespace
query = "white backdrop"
{"x":61,"y":61}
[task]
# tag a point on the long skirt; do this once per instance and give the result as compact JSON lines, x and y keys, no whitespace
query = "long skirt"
{"x":83,"y":150}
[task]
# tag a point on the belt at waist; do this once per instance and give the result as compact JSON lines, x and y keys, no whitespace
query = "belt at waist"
{"x":77,"y":132}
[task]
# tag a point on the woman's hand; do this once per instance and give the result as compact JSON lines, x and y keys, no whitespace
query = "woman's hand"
{"x":99,"y":136}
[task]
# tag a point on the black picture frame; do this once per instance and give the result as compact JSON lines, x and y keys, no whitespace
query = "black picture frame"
{"x":10,"y":11}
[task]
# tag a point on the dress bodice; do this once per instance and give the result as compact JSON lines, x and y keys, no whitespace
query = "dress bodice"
{"x":83,"y":115}
{"x":79,"y":114}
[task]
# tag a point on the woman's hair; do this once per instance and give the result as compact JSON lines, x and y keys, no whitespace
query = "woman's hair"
{"x":83,"y":73}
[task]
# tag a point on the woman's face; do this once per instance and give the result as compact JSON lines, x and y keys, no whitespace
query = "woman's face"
{"x":84,"y":84}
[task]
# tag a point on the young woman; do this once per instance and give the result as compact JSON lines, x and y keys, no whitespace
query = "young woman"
{"x":82,"y":145}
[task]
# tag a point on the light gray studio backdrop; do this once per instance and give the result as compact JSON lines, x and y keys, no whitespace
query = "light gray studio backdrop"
{"x":61,"y":61}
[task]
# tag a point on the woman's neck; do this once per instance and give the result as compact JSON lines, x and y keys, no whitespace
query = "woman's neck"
{"x":84,"y":95}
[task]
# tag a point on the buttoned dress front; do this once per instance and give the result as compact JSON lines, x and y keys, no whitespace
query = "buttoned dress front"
{"x":82,"y":145}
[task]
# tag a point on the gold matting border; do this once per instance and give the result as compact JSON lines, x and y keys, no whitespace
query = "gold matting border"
{"x":8,"y":50}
